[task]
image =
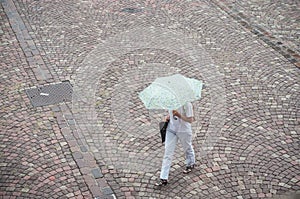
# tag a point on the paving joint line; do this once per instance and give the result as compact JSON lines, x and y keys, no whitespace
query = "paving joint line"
{"x":42,"y":73}
{"x":84,"y":158}
{"x":32,"y":54}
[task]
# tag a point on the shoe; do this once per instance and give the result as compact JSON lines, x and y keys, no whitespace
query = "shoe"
{"x":162,"y":182}
{"x":188,"y":169}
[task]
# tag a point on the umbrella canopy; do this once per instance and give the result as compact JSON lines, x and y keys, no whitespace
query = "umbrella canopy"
{"x":171,"y":92}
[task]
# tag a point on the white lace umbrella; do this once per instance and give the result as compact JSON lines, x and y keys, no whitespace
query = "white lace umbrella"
{"x":171,"y":92}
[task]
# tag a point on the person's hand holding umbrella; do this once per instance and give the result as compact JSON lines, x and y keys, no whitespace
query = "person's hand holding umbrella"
{"x":184,"y":118}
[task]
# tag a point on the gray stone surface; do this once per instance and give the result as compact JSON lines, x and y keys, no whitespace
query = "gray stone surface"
{"x":105,"y":144}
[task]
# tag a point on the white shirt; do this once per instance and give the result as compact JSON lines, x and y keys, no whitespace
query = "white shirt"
{"x":178,"y":125}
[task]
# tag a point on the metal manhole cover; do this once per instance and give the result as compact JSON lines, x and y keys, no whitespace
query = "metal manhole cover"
{"x":131,"y":10}
{"x":50,"y":94}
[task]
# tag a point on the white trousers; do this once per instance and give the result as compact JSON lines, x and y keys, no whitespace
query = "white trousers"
{"x":170,"y":145}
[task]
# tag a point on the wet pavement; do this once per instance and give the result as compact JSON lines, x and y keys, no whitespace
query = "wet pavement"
{"x":103,"y":143}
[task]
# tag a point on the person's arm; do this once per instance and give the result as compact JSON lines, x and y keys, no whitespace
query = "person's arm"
{"x":167,"y":118}
{"x":184,"y":118}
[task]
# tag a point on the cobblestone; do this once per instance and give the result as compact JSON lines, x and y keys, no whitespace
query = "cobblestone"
{"x":105,"y":144}
{"x":274,"y":22}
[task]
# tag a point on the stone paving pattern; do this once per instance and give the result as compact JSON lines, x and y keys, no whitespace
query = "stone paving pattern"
{"x":105,"y":144}
{"x":36,"y":161}
{"x":279,"y":28}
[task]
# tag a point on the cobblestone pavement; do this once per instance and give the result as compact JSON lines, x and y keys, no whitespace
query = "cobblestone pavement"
{"x":104,"y":143}
{"x":275,"y":22}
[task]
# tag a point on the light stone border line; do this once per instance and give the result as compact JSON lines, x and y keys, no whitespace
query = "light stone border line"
{"x":88,"y":74}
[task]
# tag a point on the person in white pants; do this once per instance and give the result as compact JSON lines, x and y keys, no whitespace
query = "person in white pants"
{"x":179,"y":128}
